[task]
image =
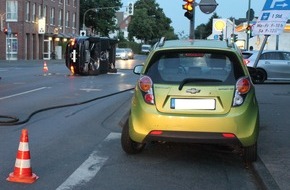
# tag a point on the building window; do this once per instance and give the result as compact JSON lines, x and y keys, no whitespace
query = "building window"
{"x":74,"y":21}
{"x":67,"y":19}
{"x":67,"y":2}
{"x":12,"y":9}
{"x":40,"y":11}
{"x":44,"y":11}
{"x":60,"y":21}
{"x":60,"y":1}
{"x":34,"y":12}
{"x":27,"y":13}
{"x":74,"y":3}
{"x":52,"y":16}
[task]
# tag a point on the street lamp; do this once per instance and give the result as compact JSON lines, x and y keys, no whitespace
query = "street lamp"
{"x":84,"y":18}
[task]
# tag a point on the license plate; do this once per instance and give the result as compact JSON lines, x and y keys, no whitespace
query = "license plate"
{"x":193,"y":104}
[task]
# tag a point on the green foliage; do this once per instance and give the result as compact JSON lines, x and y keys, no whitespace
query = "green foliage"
{"x":133,"y":45}
{"x":100,"y":15}
{"x":149,"y":22}
{"x":252,"y":14}
{"x":204,"y":30}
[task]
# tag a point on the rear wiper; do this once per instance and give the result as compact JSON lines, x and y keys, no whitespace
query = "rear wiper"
{"x":189,"y":80}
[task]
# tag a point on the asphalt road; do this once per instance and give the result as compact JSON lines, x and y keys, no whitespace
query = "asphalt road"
{"x":78,"y":146}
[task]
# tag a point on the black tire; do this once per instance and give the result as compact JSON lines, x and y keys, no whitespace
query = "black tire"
{"x":128,"y":145}
{"x":250,"y":153}
{"x":260,"y":77}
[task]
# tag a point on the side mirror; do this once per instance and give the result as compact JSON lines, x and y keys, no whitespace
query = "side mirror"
{"x":137,"y":69}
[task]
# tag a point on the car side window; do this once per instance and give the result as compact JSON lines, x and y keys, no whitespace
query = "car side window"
{"x":286,"y":55}
{"x":271,"y":56}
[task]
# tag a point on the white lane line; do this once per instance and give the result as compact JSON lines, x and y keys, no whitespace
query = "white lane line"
{"x":90,"y":89}
{"x":26,"y":92}
{"x":88,"y":169}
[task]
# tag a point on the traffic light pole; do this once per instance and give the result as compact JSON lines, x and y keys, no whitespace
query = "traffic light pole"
{"x":192,"y":25}
{"x":248,"y":23}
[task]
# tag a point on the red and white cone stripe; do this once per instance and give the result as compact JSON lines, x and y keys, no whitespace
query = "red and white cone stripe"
{"x":22,"y":169}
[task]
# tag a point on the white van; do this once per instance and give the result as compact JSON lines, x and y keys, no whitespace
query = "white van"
{"x":145,"y":48}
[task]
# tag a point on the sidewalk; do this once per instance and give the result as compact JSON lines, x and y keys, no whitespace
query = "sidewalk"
{"x":273,"y":165}
{"x":25,"y":62}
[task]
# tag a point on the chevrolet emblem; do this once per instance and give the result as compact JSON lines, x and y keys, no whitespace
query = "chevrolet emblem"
{"x":192,"y":91}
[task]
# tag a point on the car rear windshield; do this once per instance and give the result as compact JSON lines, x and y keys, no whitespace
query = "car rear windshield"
{"x":246,"y":55}
{"x":209,"y":67}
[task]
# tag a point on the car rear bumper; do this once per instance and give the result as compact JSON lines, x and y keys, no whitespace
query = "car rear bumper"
{"x":243,"y":123}
{"x":192,"y":137}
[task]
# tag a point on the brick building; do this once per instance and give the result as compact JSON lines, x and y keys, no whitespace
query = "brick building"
{"x":37,"y":29}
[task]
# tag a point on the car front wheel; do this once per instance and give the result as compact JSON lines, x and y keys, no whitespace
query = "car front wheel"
{"x":250,"y":153}
{"x":128,"y":145}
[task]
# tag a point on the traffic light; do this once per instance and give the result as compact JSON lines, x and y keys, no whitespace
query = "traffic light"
{"x":249,"y":30}
{"x":188,"y":6}
{"x":131,"y":8}
{"x":234,"y":37}
{"x":221,"y":36}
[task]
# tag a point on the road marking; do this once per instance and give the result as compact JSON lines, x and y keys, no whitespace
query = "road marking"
{"x":90,"y":89}
{"x":26,"y":92}
{"x":88,"y":169}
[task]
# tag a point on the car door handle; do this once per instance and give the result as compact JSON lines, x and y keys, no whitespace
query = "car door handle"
{"x":267,"y":62}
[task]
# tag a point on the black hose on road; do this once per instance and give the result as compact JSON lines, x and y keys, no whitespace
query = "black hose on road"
{"x":11,"y":120}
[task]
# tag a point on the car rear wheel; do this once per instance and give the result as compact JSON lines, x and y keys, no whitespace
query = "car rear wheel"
{"x":250,"y":153}
{"x":128,"y":145}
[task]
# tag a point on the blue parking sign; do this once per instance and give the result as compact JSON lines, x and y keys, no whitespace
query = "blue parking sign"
{"x":277,"y":5}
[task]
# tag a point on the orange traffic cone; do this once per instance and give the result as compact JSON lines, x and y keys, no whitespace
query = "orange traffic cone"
{"x":45,"y":68}
{"x":22,"y":170}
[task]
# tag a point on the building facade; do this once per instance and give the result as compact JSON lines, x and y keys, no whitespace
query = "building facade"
{"x":37,"y":29}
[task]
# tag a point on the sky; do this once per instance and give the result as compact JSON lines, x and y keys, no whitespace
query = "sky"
{"x":225,"y":9}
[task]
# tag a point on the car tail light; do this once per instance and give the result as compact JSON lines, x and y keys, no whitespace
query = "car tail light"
{"x":246,"y":61}
{"x":72,"y":69}
{"x":145,"y":85}
{"x":72,"y":42}
{"x":243,"y":86}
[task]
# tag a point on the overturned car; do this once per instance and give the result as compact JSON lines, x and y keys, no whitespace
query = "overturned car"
{"x":91,"y":55}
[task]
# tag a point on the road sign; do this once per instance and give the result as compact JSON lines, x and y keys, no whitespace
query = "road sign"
{"x":277,"y":5}
{"x":207,"y":6}
{"x":273,"y":18}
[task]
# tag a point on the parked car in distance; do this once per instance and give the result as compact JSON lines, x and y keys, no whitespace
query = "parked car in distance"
{"x":130,"y":53}
{"x":193,"y":91}
{"x":145,"y":48}
{"x":273,"y":65}
{"x":122,"y":53}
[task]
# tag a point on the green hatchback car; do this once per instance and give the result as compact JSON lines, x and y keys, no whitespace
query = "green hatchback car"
{"x":194,"y":91}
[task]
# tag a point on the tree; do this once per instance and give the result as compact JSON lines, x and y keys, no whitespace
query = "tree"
{"x":204,"y":30}
{"x":149,"y":22}
{"x":252,"y":15}
{"x":100,"y":15}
